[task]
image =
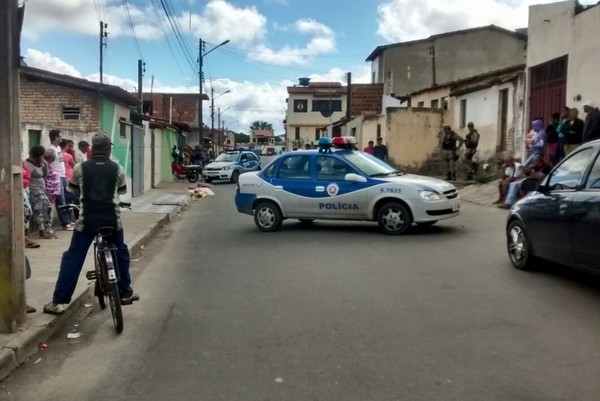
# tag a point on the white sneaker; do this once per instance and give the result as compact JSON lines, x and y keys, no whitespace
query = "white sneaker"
{"x":69,"y":227}
{"x":54,"y":309}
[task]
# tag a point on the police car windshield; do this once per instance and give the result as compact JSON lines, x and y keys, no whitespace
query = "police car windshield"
{"x":228,"y":157}
{"x":370,"y":165}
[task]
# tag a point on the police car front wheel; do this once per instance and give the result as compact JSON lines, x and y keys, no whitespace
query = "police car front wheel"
{"x":267,"y":216}
{"x":394,"y":218}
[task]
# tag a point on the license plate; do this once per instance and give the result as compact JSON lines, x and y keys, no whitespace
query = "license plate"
{"x":455,"y":207}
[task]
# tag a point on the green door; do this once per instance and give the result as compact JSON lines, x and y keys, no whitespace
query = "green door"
{"x":35,"y":137}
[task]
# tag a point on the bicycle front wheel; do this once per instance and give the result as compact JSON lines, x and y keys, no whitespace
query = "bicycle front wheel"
{"x":114,"y":299}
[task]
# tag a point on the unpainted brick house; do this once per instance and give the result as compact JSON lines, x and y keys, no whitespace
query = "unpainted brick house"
{"x":79,"y":108}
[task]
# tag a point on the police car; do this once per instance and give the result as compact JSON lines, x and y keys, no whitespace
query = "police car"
{"x":339,"y":183}
{"x":230,"y":164}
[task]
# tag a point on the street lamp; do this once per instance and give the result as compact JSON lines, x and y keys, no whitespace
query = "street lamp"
{"x":212,"y":113}
{"x":201,"y":55}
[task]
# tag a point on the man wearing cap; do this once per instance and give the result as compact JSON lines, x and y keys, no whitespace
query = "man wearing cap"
{"x":591,"y":130}
{"x":471,"y":143}
{"x":448,"y":140}
{"x":98,"y":182}
{"x":81,"y":152}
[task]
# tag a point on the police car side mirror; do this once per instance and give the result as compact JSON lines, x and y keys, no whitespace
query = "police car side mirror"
{"x":352,"y":177}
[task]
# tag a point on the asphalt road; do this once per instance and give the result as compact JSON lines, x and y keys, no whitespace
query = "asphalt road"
{"x":334,"y":311}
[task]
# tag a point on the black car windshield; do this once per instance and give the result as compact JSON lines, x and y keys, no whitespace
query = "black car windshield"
{"x":370,"y":165}
{"x":228,"y":157}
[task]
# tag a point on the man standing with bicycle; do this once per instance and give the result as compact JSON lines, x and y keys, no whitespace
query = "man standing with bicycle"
{"x":98,"y":182}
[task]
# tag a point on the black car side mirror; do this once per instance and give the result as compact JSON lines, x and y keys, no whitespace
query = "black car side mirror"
{"x":530,"y":184}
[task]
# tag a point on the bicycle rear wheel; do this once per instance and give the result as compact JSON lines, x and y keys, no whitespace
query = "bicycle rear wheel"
{"x":114,"y":299}
{"x":99,"y":292}
{"x":112,"y":291}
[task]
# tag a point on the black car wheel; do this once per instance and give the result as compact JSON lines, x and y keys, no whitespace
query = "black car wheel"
{"x":394,"y":218}
{"x":234,"y":176}
{"x":518,"y":247}
{"x":267,"y":216}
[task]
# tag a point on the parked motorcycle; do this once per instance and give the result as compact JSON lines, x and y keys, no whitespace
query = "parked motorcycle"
{"x":191,"y":172}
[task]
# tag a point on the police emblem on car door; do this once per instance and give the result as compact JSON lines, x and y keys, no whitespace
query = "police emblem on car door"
{"x":334,"y":196}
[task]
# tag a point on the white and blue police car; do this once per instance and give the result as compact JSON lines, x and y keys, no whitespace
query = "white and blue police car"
{"x":343,"y":184}
{"x":230,"y":164}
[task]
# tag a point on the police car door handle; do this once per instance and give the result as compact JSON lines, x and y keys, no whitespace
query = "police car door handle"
{"x":320,"y":188}
{"x":279,"y":187}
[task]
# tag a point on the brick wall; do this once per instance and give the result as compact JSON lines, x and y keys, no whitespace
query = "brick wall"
{"x":366,"y":98}
{"x":185,"y":106}
{"x":41,"y":103}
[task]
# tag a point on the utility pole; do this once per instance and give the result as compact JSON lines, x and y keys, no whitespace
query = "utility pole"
{"x":349,"y":97}
{"x":12,"y":277}
{"x":103,"y":35}
{"x":200,"y":79}
{"x":141,"y":70}
{"x":212,"y":117}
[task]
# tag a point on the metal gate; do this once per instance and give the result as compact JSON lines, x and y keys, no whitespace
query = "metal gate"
{"x":548,"y":88}
{"x":137,"y":160}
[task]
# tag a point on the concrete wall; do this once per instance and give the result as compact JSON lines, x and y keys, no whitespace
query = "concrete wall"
{"x":412,"y":136}
{"x":575,"y":35}
{"x":458,"y":56}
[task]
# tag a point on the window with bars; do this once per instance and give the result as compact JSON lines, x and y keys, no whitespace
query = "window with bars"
{"x":71,"y":113}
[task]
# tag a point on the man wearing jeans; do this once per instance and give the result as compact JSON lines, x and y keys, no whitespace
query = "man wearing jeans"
{"x":98,"y":181}
{"x":59,"y":165}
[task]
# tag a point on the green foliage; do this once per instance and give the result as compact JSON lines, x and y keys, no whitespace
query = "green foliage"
{"x":261,"y":125}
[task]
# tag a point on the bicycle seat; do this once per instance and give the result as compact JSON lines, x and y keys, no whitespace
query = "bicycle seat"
{"x":107,"y":231}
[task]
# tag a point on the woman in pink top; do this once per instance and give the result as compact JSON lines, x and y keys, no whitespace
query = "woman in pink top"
{"x":67,"y":151}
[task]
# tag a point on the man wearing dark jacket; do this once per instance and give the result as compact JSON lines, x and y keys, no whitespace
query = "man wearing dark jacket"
{"x":591,"y":130}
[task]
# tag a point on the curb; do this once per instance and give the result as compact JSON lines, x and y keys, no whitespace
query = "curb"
{"x":26,"y":343}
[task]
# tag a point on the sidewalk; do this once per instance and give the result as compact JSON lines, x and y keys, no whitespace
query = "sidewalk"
{"x":480,"y":194}
{"x":150,"y":212}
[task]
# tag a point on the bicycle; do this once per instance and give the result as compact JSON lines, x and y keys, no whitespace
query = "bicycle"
{"x":106,"y":272}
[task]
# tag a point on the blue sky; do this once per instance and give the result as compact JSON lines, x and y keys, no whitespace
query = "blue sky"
{"x":272,"y":42}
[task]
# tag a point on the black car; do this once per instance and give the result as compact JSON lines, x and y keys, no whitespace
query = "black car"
{"x":559,"y":220}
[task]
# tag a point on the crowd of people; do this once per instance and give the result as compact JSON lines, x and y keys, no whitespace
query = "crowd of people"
{"x":545,"y":147}
{"x":192,"y":156}
{"x":45,"y":175}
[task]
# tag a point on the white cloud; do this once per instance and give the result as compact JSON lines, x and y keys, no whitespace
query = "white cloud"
{"x":222,"y":20}
{"x":403,"y":20}
{"x":322,"y":42}
{"x":45,"y":61}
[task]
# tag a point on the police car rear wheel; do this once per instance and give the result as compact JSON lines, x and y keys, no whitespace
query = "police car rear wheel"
{"x":267,"y":217}
{"x":394,"y":218}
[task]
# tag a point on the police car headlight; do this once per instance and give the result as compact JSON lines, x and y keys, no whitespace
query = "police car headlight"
{"x":431,"y":196}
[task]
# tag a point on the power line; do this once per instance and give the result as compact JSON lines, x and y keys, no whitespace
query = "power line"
{"x":166,"y":36}
{"x":137,"y":45}
{"x":191,"y":63}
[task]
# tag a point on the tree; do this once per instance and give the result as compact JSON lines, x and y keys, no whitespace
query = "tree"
{"x":261,"y":125}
